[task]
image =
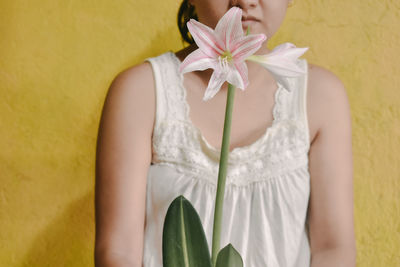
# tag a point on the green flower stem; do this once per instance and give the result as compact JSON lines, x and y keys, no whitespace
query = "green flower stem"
{"x":223,"y":164}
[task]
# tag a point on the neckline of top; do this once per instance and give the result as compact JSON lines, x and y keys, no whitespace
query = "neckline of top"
{"x":238,"y":149}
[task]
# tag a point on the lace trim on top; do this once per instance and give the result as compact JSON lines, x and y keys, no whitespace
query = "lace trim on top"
{"x":177,"y":141}
{"x":237,"y":150}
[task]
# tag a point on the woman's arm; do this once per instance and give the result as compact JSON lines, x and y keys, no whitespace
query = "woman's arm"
{"x":123,"y":158}
{"x":331,"y":220}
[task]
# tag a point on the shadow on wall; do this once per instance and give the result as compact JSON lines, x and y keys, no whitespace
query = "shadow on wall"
{"x":67,"y":240}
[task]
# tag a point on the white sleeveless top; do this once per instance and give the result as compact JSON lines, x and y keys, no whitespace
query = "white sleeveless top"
{"x":267,"y":184}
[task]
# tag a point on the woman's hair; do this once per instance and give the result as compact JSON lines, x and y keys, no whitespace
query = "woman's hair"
{"x":185,"y":13}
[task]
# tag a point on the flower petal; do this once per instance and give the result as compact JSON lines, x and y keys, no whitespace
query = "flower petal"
{"x":288,"y":50}
{"x":247,"y":46}
{"x":205,"y":38}
{"x":214,"y":85}
{"x":278,"y":65}
{"x":244,"y":73}
{"x":234,"y":77}
{"x":281,"y":69}
{"x":229,"y":27}
{"x":197,"y":60}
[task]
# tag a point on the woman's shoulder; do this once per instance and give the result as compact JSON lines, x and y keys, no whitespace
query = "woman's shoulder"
{"x":319,"y":75}
{"x":142,"y":72}
{"x":140,"y":78}
{"x":327,"y":99}
{"x":135,"y":74}
{"x":324,"y":85}
{"x":132,"y":91}
{"x":135,"y":82}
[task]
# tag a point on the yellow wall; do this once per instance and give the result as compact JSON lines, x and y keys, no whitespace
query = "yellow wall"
{"x":57,"y":59}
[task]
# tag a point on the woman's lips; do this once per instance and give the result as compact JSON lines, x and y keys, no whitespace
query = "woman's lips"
{"x":248,"y":21}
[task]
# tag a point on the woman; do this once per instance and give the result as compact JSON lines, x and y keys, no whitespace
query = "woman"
{"x":289,"y":192}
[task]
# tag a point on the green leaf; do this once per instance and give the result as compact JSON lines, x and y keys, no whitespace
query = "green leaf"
{"x":229,"y":257}
{"x":184,"y":243}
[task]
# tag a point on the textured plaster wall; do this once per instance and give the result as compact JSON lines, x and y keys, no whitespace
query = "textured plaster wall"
{"x":57,"y":59}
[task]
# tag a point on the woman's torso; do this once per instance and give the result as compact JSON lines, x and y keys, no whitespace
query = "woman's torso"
{"x":267,"y":190}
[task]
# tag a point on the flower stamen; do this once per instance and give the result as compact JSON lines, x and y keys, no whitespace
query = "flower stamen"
{"x":224,"y":60}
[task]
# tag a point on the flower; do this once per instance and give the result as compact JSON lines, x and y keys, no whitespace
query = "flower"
{"x":281,"y":62}
{"x":223,"y":49}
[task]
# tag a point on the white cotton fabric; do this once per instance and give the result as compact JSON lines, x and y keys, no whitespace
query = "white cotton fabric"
{"x":267,"y":184}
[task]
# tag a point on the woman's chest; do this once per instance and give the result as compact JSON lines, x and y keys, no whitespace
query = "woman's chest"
{"x":252,"y":116}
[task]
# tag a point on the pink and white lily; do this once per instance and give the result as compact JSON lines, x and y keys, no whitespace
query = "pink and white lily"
{"x":281,"y":62}
{"x":224,"y":50}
